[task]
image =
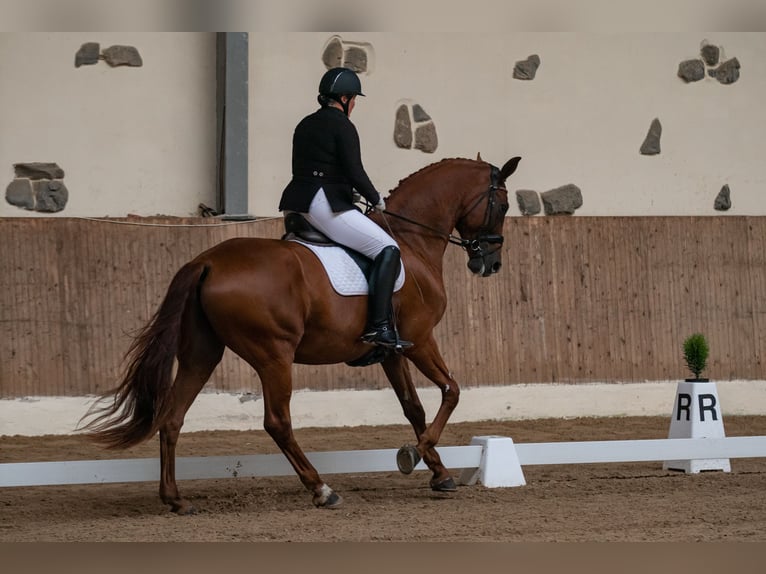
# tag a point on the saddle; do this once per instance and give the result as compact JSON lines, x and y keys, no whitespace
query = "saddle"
{"x":298,"y":228}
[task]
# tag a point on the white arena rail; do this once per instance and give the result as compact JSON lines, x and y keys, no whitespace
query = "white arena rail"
{"x":492,"y":461}
{"x":641,"y":450}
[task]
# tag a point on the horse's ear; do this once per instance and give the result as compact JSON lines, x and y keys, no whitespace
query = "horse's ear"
{"x":478,"y":157}
{"x":509,"y":168}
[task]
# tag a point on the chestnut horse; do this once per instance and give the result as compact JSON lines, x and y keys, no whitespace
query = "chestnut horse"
{"x":270,"y":302}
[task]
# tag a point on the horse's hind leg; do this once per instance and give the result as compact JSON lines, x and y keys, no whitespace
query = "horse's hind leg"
{"x":276,"y":379}
{"x":201,"y":351}
{"x":397,"y":371}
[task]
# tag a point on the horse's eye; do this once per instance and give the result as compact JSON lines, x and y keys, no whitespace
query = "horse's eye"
{"x":503,"y":207}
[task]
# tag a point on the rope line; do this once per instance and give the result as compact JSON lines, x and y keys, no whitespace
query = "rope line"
{"x":139,"y":224}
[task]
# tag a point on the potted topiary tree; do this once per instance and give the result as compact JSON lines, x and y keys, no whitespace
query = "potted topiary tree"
{"x":695,"y":354}
{"x":697,"y":410}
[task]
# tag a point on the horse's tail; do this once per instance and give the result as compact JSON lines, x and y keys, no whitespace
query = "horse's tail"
{"x":139,"y":402}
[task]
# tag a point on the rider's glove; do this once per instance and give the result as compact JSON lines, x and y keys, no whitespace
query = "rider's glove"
{"x":381,"y":205}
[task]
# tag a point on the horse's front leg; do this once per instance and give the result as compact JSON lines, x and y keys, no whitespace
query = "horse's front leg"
{"x":397,"y":371}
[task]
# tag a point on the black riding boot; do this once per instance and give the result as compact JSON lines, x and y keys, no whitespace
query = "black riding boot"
{"x":380,"y":330}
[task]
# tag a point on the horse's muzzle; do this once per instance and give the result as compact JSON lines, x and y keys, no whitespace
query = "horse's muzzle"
{"x":482,"y":261}
{"x":484,"y":266}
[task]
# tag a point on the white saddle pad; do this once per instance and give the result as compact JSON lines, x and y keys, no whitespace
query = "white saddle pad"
{"x":344,"y":273}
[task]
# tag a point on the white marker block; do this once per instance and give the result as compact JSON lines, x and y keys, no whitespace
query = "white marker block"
{"x":697,"y":414}
{"x":499,"y":465}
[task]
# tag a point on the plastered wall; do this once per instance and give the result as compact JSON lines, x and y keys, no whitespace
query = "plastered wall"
{"x":142,"y":140}
{"x":130,"y":140}
{"x":581,"y":120}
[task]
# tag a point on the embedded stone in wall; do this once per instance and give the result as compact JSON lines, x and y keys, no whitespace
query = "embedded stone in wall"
{"x":403,"y":128}
{"x":38,"y":170}
{"x":357,"y":56}
{"x":527,"y":69}
{"x":425,"y":138}
{"x":727,"y":72}
{"x":50,"y":195}
{"x":122,"y":56}
{"x":691,"y":70}
{"x":414,"y":128}
{"x":419,"y":115}
{"x":651,"y":145}
{"x":564,"y":200}
{"x":88,"y":54}
{"x":710,"y":53}
{"x":529,"y":202}
{"x":332,"y":55}
{"x":38,"y":187}
{"x":42,"y":195}
{"x":723,"y":199}
{"x":19,"y":193}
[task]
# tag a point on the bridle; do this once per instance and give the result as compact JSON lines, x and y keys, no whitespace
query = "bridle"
{"x":477,"y":247}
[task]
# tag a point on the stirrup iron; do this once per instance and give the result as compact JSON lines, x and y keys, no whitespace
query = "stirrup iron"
{"x":385,"y":336}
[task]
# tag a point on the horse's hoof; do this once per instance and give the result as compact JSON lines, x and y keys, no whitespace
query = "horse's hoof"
{"x":327,"y":498}
{"x":407,"y":459}
{"x":185,"y":509}
{"x":333,"y":501}
{"x":446,"y":485}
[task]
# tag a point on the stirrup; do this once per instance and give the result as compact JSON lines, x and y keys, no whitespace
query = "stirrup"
{"x":385,"y":337}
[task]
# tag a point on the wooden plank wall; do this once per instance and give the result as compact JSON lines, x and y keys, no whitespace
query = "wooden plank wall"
{"x":579,"y":299}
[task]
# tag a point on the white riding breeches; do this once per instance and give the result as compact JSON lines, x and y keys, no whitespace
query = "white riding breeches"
{"x":350,"y":228}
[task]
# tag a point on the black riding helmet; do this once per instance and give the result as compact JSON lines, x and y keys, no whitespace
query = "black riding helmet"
{"x":339,"y":82}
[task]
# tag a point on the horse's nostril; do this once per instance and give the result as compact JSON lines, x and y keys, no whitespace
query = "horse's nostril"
{"x":476,"y":266}
{"x":496,"y":266}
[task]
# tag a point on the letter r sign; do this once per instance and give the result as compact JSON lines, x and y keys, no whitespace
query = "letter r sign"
{"x":705,"y":402}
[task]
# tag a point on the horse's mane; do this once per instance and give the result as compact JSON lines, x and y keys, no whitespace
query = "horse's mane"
{"x":427,"y":168}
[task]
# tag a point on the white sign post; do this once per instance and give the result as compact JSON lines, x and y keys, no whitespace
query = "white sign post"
{"x":697,"y":414}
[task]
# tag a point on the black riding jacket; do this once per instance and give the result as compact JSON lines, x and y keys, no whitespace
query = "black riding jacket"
{"x":326,"y":154}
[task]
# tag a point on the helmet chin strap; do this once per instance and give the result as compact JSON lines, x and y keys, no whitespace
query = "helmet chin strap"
{"x":345,"y":105}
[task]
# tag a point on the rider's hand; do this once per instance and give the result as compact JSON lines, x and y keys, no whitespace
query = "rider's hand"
{"x":381,"y":205}
{"x":356,"y":197}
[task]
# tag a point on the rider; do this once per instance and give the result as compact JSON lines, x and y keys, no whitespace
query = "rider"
{"x":327,"y":168}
